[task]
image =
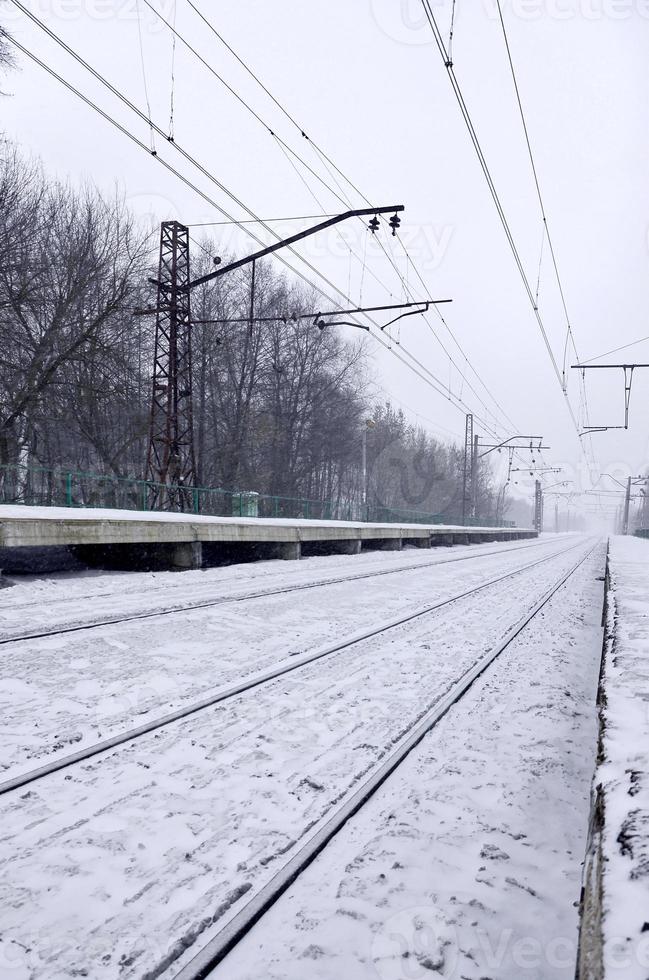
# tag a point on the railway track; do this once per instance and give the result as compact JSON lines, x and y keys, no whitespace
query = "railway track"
{"x":243,"y":596}
{"x":287,"y":665}
{"x":241,"y":923}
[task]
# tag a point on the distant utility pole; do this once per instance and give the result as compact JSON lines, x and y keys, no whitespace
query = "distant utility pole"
{"x":538,"y":506}
{"x":474,"y":478}
{"x":469,"y":469}
{"x":627,"y":504}
{"x":369,"y":424}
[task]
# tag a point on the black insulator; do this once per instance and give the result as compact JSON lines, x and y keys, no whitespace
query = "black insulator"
{"x":395,"y":222}
{"x":374,"y":225}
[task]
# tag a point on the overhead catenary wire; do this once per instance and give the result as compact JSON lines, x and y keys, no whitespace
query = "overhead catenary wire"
{"x":615,"y":350}
{"x":270,"y":95}
{"x":256,"y":221}
{"x":327,"y":160}
{"x":450,"y":34}
{"x":569,"y":331}
{"x":439,"y":41}
{"x":173,"y":77}
{"x":337,"y":230}
{"x":449,"y":396}
{"x":321,"y":152}
{"x":536,"y":178}
{"x":538,"y":277}
{"x":176,"y":146}
{"x":339,"y":195}
{"x":287,"y":150}
{"x":190,"y":47}
{"x":143,"y":67}
{"x":411,"y":362}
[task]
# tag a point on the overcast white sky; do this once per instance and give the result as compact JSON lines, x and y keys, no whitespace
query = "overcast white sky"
{"x":366,"y":82}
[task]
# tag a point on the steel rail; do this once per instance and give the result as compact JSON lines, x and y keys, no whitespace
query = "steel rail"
{"x":252,"y":681}
{"x":244,"y":597}
{"x":243,"y":921}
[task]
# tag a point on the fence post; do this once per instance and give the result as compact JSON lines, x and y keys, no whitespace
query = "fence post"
{"x":68,"y":489}
{"x":196,"y":500}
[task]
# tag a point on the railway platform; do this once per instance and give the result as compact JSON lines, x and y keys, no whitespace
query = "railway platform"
{"x":129,"y":539}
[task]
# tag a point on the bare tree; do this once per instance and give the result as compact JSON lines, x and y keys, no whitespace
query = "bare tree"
{"x":7,"y":59}
{"x":280,"y":406}
{"x":72,"y":261}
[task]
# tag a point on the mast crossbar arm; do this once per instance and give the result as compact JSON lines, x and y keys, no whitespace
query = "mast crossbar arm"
{"x":358,"y":213}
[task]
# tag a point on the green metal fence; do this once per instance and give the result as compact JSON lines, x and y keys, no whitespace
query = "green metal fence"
{"x":55,"y":487}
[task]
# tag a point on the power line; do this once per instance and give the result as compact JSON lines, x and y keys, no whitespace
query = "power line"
{"x":454,"y":399}
{"x":615,"y":350}
{"x":146,"y":88}
{"x":172,"y":86}
{"x":536,"y":178}
{"x":256,"y":221}
{"x":287,"y":150}
{"x":341,"y":197}
{"x":176,"y":33}
{"x":339,"y":234}
{"x":329,"y":161}
{"x":494,"y":193}
{"x":120,"y":95}
{"x":270,"y":95}
{"x":569,"y":331}
{"x":416,"y":366}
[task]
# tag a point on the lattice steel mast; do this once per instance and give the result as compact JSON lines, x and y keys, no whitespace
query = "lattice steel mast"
{"x":170,"y":466}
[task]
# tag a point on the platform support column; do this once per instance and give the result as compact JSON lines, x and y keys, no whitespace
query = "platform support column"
{"x":391,"y":544}
{"x":351,"y":547}
{"x":289,"y":550}
{"x":187,"y":555}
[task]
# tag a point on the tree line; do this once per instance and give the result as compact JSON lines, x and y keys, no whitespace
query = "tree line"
{"x":281,"y":409}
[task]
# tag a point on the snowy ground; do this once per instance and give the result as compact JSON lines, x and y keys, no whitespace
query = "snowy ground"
{"x":109,"y":678}
{"x":109,"y":869}
{"x":36,"y":603}
{"x":467,"y":862}
{"x":623,"y":775}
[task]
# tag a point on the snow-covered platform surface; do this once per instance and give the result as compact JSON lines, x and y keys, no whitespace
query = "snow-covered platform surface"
{"x":465,"y":864}
{"x":615,"y":936}
{"x":22,"y":526}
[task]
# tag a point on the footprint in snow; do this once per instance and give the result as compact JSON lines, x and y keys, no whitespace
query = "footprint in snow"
{"x":494,"y":853}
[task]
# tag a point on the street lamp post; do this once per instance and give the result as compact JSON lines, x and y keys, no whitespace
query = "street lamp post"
{"x":369,"y":424}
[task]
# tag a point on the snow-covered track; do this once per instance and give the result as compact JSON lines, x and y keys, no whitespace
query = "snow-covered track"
{"x":248,"y":596}
{"x":285,"y":666}
{"x":201,"y":965}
